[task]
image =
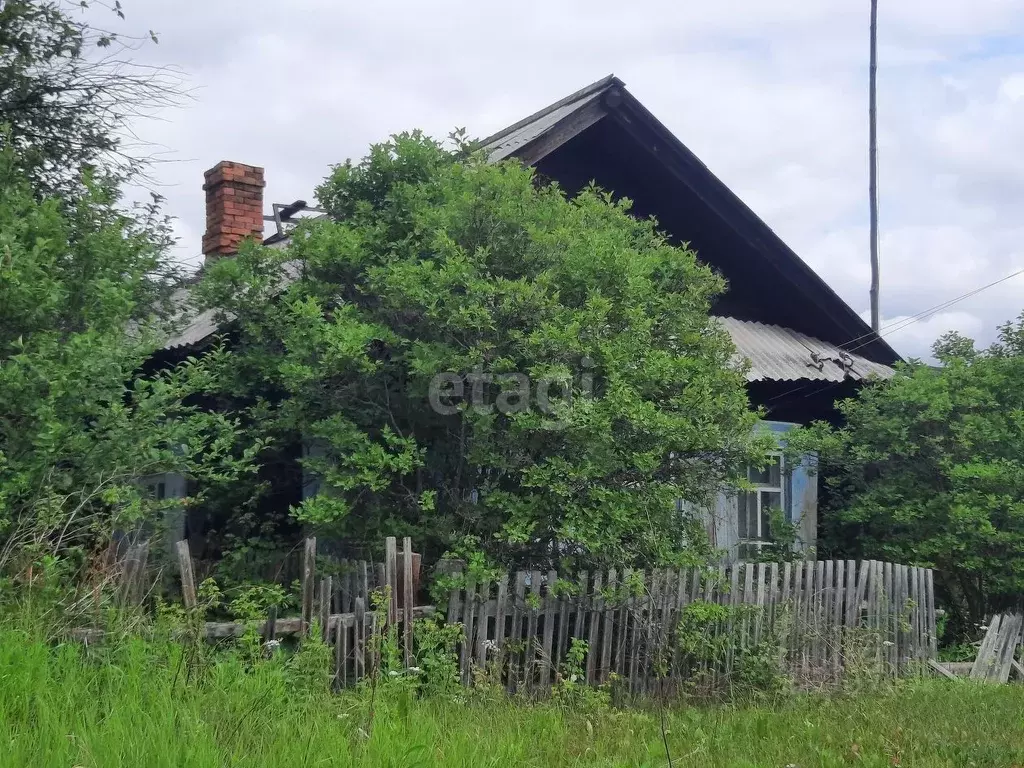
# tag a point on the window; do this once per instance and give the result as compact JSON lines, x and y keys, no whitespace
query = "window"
{"x":754,"y":506}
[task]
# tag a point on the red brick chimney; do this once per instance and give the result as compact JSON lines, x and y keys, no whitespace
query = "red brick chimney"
{"x":234,"y":207}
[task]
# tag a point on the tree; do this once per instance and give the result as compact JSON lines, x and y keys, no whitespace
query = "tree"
{"x":68,"y":90}
{"x":80,"y":425}
{"x":929,"y":470}
{"x":470,"y":353}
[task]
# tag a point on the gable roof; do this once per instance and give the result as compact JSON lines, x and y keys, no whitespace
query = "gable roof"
{"x":836,"y":330}
{"x":538,"y":139}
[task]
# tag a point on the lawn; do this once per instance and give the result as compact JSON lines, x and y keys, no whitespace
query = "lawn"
{"x":138,"y":704}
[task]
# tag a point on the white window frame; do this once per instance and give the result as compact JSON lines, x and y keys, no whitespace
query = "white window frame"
{"x":756,"y":494}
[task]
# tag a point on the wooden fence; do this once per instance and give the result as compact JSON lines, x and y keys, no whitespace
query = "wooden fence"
{"x":820,"y":617}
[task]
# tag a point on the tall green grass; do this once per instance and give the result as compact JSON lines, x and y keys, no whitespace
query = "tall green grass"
{"x":138,"y":703}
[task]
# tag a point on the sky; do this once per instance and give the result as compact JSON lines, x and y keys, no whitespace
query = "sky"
{"x":770,"y":94}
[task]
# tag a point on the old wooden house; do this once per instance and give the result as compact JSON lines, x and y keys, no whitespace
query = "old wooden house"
{"x":807,"y":348}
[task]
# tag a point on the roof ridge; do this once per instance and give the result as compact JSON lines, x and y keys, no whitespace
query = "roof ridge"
{"x":599,"y":85}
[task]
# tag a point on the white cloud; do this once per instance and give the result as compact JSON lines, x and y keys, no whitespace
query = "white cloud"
{"x":772,"y":96}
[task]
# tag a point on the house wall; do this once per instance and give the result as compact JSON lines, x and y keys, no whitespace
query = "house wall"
{"x":801,"y":502}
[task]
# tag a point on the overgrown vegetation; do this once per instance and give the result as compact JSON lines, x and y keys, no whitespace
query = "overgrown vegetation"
{"x":468,"y":352}
{"x":134,"y":702}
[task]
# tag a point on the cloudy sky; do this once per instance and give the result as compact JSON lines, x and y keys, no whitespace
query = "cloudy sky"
{"x":770,"y":94}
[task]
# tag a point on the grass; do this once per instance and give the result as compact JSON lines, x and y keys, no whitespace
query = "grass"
{"x":132,"y":704}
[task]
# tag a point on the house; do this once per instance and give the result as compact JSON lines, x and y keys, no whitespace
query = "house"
{"x":807,"y":348}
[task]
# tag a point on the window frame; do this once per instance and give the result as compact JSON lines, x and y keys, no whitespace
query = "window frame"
{"x":755,"y":494}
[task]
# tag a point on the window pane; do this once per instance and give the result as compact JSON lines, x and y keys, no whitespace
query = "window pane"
{"x":769,"y":500}
{"x":771,"y":475}
{"x":742,"y":515}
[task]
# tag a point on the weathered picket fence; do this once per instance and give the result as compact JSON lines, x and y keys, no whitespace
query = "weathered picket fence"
{"x":822,"y":616}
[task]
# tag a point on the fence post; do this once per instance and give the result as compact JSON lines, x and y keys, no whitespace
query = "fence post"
{"x":188,"y":581}
{"x":407,"y":598}
{"x":391,"y":577}
{"x":308,"y":572}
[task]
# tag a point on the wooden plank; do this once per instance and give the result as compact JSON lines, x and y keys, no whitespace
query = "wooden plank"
{"x":391,"y":577}
{"x":646,"y":613}
{"x":596,"y":607}
{"x":533,"y":612}
{"x":819,"y":609}
{"x":682,"y":595}
{"x":468,"y":615}
{"x":363,"y":574}
{"x":838,"y":612}
{"x":1016,"y":667}
{"x":609,"y":629}
{"x":862,"y":595}
{"x":761,"y":589}
{"x":806,"y":614}
{"x":359,"y":646}
{"x":308,"y":574}
{"x":882,"y":596}
{"x":347,"y":587}
{"x":515,"y":659}
{"x":340,"y":656}
{"x":941,"y":670}
{"x":407,"y":599}
{"x":622,"y":626}
{"x":920,"y":607}
{"x":188,"y":579}
{"x":982,"y":662}
{"x":851,"y":619}
{"x":325,"y":608}
{"x":550,"y":611}
{"x":1010,"y":639}
{"x":933,"y":639}
{"x":582,"y":597}
{"x":270,"y":629}
{"x":562,"y":642}
{"x":773,"y":594}
{"x":748,"y":599}
{"x":635,"y":646}
{"x":480,"y":636}
{"x":904,"y":620}
{"x":501,"y":612}
{"x":827,"y":598}
{"x":454,"y":605}
{"x":670,"y":589}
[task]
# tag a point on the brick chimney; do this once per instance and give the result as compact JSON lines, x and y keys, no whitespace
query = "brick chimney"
{"x":234,"y":207}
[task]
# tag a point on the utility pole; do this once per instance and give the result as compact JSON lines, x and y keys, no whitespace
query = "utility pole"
{"x":873,"y":162}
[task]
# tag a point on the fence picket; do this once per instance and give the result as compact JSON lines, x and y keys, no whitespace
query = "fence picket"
{"x":407,"y":599}
{"x":308,"y":572}
{"x":517,"y":655}
{"x":609,"y":629}
{"x":468,"y":614}
{"x":548,"y":667}
{"x":596,"y":607}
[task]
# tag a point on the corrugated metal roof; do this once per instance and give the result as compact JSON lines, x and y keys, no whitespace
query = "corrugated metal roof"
{"x":782,"y":354}
{"x":203,"y":325}
{"x":504,"y":143}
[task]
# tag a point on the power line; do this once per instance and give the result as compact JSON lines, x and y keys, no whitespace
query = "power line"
{"x":899,"y":325}
{"x":904,"y":322}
